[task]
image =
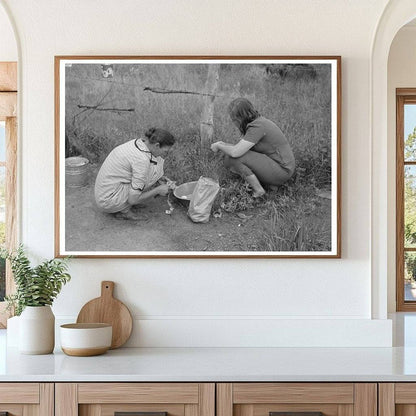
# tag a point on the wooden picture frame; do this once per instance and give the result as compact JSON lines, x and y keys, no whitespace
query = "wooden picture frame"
{"x":104,"y":101}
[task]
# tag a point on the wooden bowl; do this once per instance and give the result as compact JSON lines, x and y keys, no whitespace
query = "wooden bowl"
{"x":84,"y":340}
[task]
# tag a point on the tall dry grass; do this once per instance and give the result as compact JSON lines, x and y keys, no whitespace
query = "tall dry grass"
{"x":296,"y":221}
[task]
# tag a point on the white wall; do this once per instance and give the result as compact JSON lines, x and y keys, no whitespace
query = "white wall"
{"x":179,"y":302}
{"x":401,"y":74}
{"x":8,"y":47}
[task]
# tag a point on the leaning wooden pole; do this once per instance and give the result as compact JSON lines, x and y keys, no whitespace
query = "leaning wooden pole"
{"x":207,"y":119}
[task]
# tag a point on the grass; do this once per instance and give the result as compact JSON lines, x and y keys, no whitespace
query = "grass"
{"x":297,"y":221}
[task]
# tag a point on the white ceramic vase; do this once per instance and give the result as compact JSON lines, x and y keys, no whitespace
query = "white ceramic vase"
{"x":37,"y":330}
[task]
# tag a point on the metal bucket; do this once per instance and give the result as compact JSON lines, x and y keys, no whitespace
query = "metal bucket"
{"x":76,"y":171}
{"x":184,"y":192}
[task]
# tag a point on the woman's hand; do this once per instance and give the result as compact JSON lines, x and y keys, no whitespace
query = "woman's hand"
{"x":214,"y":147}
{"x":169,"y":182}
{"x":163,"y":190}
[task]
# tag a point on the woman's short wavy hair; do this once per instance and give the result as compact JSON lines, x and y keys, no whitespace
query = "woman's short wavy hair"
{"x":242,"y":112}
{"x":163,"y":137}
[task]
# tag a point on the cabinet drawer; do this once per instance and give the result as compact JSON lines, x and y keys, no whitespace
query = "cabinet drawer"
{"x":138,"y":393}
{"x":19,"y":393}
{"x":21,"y":399}
{"x":397,"y":399}
{"x":296,"y":399}
{"x":143,"y":409}
{"x":107,"y":399}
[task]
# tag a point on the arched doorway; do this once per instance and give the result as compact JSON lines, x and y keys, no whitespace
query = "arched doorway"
{"x":396,"y":14}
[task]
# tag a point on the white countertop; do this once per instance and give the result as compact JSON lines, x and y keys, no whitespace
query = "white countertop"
{"x":222,"y":364}
{"x":213,"y":364}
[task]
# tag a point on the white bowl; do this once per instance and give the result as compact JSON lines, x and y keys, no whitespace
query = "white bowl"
{"x":83,"y":340}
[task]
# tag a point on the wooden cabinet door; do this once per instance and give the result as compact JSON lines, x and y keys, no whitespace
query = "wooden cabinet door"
{"x":397,"y":399}
{"x":27,"y":399}
{"x":152,"y":399}
{"x":297,"y":399}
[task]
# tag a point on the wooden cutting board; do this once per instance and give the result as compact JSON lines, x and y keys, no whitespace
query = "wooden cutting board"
{"x":107,"y":309}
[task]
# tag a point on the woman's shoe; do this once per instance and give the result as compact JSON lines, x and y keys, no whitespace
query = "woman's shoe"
{"x":129,"y":215}
{"x":258,"y":190}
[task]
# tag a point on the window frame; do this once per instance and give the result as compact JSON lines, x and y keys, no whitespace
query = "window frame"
{"x":403,"y":96}
{"x":8,"y":113}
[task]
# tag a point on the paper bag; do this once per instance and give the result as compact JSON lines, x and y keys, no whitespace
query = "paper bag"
{"x":202,"y":199}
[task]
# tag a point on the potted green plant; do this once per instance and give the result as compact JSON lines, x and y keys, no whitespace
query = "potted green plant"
{"x":36,"y":289}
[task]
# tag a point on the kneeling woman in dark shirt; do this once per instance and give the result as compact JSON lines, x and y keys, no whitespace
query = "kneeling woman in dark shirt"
{"x":263,"y":154}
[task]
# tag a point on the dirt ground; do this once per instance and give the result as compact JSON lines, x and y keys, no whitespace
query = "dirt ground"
{"x":88,"y":229}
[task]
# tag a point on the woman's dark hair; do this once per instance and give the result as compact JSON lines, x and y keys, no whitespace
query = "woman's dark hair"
{"x":243,"y":112}
{"x":163,"y":137}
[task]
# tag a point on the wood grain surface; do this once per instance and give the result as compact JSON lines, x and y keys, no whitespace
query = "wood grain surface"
{"x":224,"y":399}
{"x":365,"y":399}
{"x":107,"y":309}
{"x":27,"y":393}
{"x":66,"y":399}
{"x":386,"y":399}
{"x":252,"y":393}
{"x":47,"y":399}
{"x":8,"y":105}
{"x":8,"y":76}
{"x":111,"y":409}
{"x":405,"y":393}
{"x":207,"y":399}
{"x":110,"y":393}
{"x":11,"y":196}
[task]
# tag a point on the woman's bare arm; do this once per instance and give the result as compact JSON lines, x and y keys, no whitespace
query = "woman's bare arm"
{"x":233,"y":150}
{"x":138,"y":196}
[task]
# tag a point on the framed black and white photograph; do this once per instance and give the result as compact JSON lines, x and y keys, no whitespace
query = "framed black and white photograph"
{"x":198,"y":156}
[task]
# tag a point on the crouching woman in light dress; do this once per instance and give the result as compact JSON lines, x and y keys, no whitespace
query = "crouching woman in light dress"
{"x":263,"y":155}
{"x":129,"y":172}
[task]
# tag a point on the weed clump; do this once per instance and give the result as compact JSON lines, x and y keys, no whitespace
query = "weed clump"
{"x":296,"y":222}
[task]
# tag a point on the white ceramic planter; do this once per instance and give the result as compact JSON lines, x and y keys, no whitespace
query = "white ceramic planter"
{"x":37,"y":330}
